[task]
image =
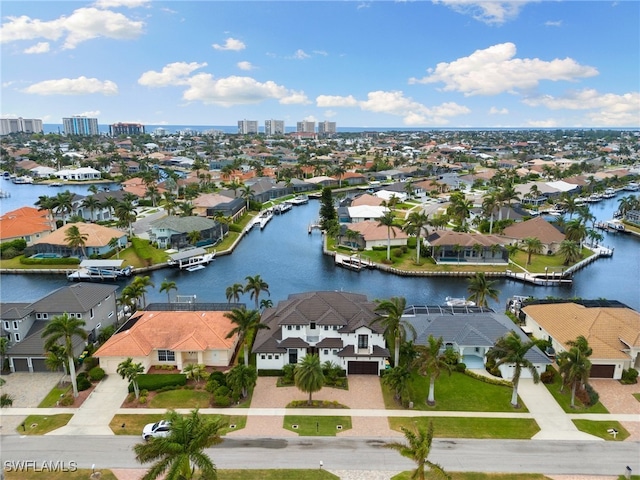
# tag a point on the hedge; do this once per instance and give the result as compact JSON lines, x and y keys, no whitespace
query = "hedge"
{"x":50,"y":261}
{"x":154,"y":382}
{"x":270,"y":372}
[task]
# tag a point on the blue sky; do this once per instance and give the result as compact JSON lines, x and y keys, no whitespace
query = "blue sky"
{"x":422,"y":64}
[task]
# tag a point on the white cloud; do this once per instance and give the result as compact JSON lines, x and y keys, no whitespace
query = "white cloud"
{"x":245,"y":66}
{"x":230,"y":44}
{"x":324,"y":101}
{"x":550,"y":23}
{"x":121,"y":3}
{"x":550,"y":123}
{"x":607,"y":109}
{"x":300,"y":55}
{"x":330,"y":113}
{"x":91,"y":113}
{"x":236,"y":90}
{"x":172,"y":74}
{"x":40,"y":47}
{"x":82,"y":25}
{"x":73,"y":86}
{"x":494,"y":70}
{"x":321,"y":52}
{"x":489,"y":12}
{"x":498,"y":111}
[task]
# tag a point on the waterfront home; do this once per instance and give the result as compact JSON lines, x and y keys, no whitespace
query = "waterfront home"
{"x":214,"y":204}
{"x":470,"y":332}
{"x":78,"y":174}
{"x":137,"y":187}
{"x":353,"y":178}
{"x":363,"y":213}
{"x":539,"y":228}
{"x":97,"y":240}
{"x":171,"y":337}
{"x":337,"y":326}
{"x":371,"y":234}
{"x":23,"y":323}
{"x":175,"y":232}
{"x":470,"y":248}
{"x":26,"y":223}
{"x":611,"y":328}
{"x":101,"y":212}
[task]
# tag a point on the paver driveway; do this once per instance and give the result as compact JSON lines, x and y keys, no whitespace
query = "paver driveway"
{"x":619,"y":398}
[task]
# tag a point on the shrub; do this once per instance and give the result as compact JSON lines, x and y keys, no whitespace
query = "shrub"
{"x":450,"y":356}
{"x":222,"y":391}
{"x":142,"y":400}
{"x":18,"y":245}
{"x":9,"y":253}
{"x":96,"y":374}
{"x":217,"y":376}
{"x":548,"y":376}
{"x":594,"y":397}
{"x":234,"y":227}
{"x":131,"y":397}
{"x":222,"y":401}
{"x":90,"y":363}
{"x":397,"y":252}
{"x":265,"y":372}
{"x":83,"y":383}
{"x":166,"y":389}
{"x":66,"y":401}
{"x":461,"y":367}
{"x":153,"y":382}
{"x":629,"y":376}
{"x":50,"y":261}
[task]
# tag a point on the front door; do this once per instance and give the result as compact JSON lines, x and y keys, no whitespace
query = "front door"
{"x":293,"y":356}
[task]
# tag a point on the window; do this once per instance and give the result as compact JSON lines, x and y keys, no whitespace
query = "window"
{"x":166,"y":356}
{"x":326,"y":351}
{"x":335,"y":351}
{"x":110,"y":315}
{"x":15,"y":325}
{"x":289,"y":327}
{"x":7,"y":325}
{"x":363,"y":341}
{"x":78,"y":315}
{"x":312,"y":325}
{"x":336,"y":327}
{"x":276,"y":356}
{"x":91,"y":313}
{"x":42,"y":316}
{"x":269,"y":357}
{"x":297,"y":327}
{"x":16,"y":336}
{"x":263,"y":356}
{"x":326,"y":327}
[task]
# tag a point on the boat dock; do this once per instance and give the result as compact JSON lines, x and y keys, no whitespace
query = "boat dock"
{"x":100,"y":270}
{"x":353,"y":262}
{"x":189,"y":258}
{"x":263,"y":218}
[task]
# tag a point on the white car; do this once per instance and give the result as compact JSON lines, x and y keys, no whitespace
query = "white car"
{"x":154,"y":430}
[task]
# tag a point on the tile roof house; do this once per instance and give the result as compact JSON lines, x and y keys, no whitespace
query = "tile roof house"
{"x":27,"y":223}
{"x":171,"y":338}
{"x":613,"y":332}
{"x":337,"y":326}
{"x":22,"y":323}
{"x":173,"y":231}
{"x":97,"y":242}
{"x":473,"y":248}
{"x":209,"y":204}
{"x":374,"y":235}
{"x":471,"y":332}
{"x":539,"y":228}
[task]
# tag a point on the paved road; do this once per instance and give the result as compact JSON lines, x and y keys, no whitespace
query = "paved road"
{"x":515,"y":456}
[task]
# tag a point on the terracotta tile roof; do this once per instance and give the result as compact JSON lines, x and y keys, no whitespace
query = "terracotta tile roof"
{"x":97,"y":235}
{"x":609,"y":330}
{"x":538,"y":228}
{"x":22,"y":222}
{"x":177,"y":331}
{"x":367,"y":199}
{"x":371,"y":231}
{"x":447,"y":237}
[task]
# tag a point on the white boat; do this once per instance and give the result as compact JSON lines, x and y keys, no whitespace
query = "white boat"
{"x":26,"y":179}
{"x":195,"y":268}
{"x":609,"y":193}
{"x":100,"y":270}
{"x":4,"y":194}
{"x":459,"y":302}
{"x":55,"y":184}
{"x":299,"y":200}
{"x":632,"y":187}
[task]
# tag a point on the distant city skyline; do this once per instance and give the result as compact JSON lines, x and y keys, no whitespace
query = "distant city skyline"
{"x":379,"y":64}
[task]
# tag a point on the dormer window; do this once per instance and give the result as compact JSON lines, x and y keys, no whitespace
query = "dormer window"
{"x":312,"y":325}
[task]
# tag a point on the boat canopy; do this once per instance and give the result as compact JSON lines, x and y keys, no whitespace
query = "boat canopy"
{"x":184,"y":254}
{"x":101,"y":263}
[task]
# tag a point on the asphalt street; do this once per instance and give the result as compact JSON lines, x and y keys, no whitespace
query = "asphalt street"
{"x":509,"y":456}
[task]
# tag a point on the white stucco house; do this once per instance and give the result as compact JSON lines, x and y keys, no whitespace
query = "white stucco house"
{"x":362,"y":213}
{"x":78,"y":174}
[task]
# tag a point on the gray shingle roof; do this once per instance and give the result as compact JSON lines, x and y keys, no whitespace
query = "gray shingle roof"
{"x":184,"y":224}
{"x":14,"y":311}
{"x":79,"y":297}
{"x":349,"y":351}
{"x":33,"y":343}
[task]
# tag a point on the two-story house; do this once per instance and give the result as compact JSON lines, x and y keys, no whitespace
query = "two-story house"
{"x":337,"y":326}
{"x":22,"y":323}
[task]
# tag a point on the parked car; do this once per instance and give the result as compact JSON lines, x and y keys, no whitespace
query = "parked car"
{"x":154,"y":430}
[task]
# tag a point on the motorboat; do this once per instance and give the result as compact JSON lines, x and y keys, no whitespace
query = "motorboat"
{"x":459,"y":302}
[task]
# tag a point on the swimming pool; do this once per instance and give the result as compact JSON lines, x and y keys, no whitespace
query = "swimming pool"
{"x":46,"y":255}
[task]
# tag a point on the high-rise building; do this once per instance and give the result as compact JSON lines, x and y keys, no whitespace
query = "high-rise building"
{"x":20,"y":125}
{"x":126,"y":129}
{"x":273,"y":127}
{"x":326,"y":128}
{"x":306,"y":127}
{"x":247,"y":127}
{"x":78,"y":125}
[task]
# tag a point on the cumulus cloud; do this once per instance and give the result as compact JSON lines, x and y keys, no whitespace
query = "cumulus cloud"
{"x":498,"y":111}
{"x":236,"y":90}
{"x":230,"y":44}
{"x":121,"y":3}
{"x":245,"y":66}
{"x":605,"y":108}
{"x":550,"y":23}
{"x":73,"y":86}
{"x":300,"y":55}
{"x":91,"y":113}
{"x":82,"y":25}
{"x":489,"y":12}
{"x":176,"y":73}
{"x":40,"y":47}
{"x":495,"y":70}
{"x":324,"y":101}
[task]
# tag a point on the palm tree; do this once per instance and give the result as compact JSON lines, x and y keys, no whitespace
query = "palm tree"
{"x":126,"y":213}
{"x":388,"y":220}
{"x":265,"y":303}
{"x":508,"y":194}
{"x":140,"y":285}
{"x":186,"y":209}
{"x":180,"y":455}
{"x":511,"y":350}
{"x":129,"y":370}
{"x":480,"y":289}
{"x":167,"y":286}
{"x":64,"y":328}
{"x":430,"y":362}
{"x":195,"y":371}
{"x":4,"y":344}
{"x":255,"y":285}
{"x":64,"y":204}
{"x":397,"y":378}
{"x":193,"y":237}
{"x":247,"y":323}
{"x":395,"y":328}
{"x":574,"y":365}
{"x":110,"y":203}
{"x":570,"y":252}
{"x":114,"y":244}
{"x":47,"y":203}
{"x":575,"y":230}
{"x":241,"y":379}
{"x":308,"y":375}
{"x":246,"y":192}
{"x":75,"y":239}
{"x":233,"y":292}
{"x":56,"y":359}
{"x":532,"y":245}
{"x":91,"y":203}
{"x":416,"y":223}
{"x":417,"y":448}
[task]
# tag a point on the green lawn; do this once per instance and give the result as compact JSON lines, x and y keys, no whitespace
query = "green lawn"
{"x":80,"y":474}
{"x":133,"y":424}
{"x":564,"y":399}
{"x":316,"y":426}
{"x":460,"y":392}
{"x":539,"y":261}
{"x":15,"y":263}
{"x":41,"y":424}
{"x":478,"y":476}
{"x":276,"y":475}
{"x":471,"y":427}
{"x":599,"y":429}
{"x":636,"y":396}
{"x":181,"y":398}
{"x":53,"y":396}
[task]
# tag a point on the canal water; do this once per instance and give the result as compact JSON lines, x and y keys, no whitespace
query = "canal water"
{"x":290,"y":260}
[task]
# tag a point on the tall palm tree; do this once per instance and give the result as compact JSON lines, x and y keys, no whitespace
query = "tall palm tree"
{"x":308,"y":375}
{"x":76,"y":239}
{"x":570,"y":251}
{"x":532,"y":245}
{"x":417,"y":448}
{"x":92,"y":203}
{"x":388,"y":220}
{"x":254,"y":286}
{"x":114,"y":244}
{"x":489,"y":205}
{"x":126,"y":213}
{"x":233,"y":292}
{"x":247,"y":323}
{"x":64,"y":204}
{"x":508,"y":195}
{"x":180,"y":455}
{"x":574,"y":365}
{"x":511,"y":350}
{"x":395,"y":328}
{"x":246,"y":192}
{"x":479,"y":289}
{"x":430,"y":363}
{"x":416,"y":223}
{"x":140,"y":285}
{"x":575,"y":230}
{"x":167,"y":286}
{"x":47,"y":203}
{"x":110,"y":203}
{"x":64,"y":328}
{"x":241,"y":379}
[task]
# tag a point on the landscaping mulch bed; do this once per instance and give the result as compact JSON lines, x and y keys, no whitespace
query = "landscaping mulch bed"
{"x":82,"y":396}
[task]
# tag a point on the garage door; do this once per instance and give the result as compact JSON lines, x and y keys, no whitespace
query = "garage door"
{"x":39,"y":365}
{"x":20,"y":365}
{"x":363,"y":368}
{"x":602,"y":371}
